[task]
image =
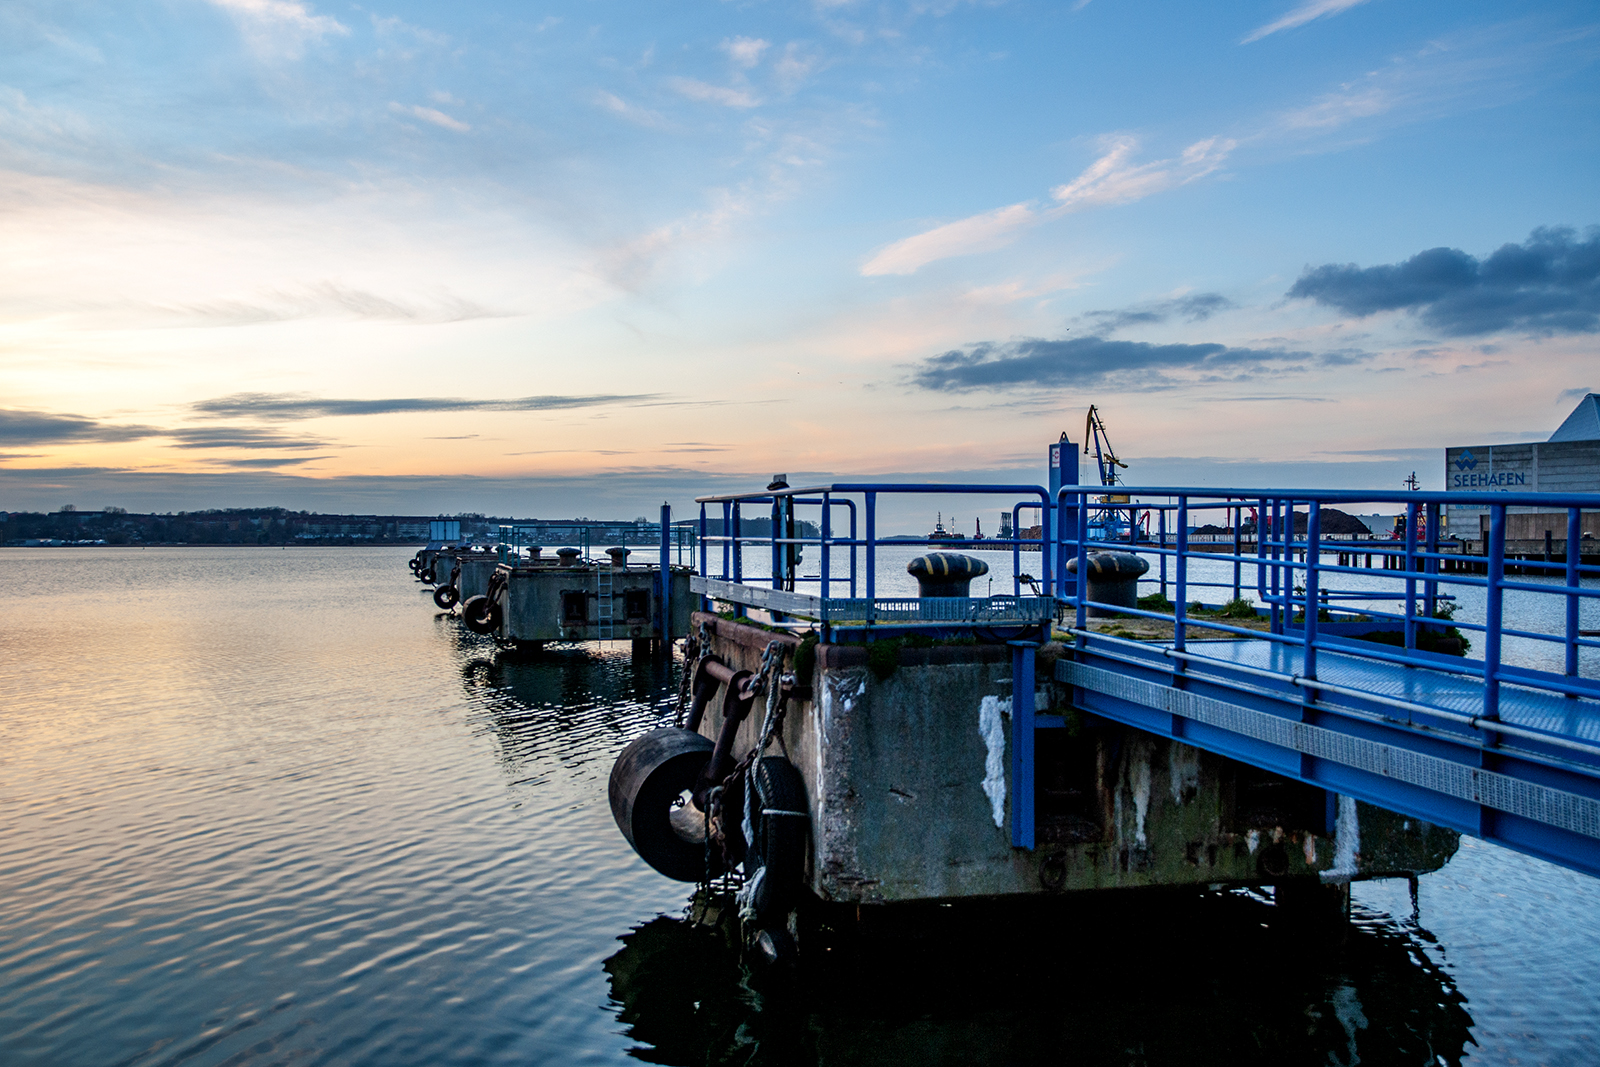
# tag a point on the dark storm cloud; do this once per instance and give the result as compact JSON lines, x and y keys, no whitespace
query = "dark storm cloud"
{"x":44,"y":427}
{"x":1089,"y":361}
{"x":1195,"y":308}
{"x":306,"y":406}
{"x":1550,"y":284}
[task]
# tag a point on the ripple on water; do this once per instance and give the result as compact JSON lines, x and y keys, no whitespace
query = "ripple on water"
{"x":267,"y":806}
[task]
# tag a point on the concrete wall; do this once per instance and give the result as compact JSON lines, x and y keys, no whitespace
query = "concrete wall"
{"x":532,"y":606}
{"x":476,"y":568}
{"x":908,"y":780}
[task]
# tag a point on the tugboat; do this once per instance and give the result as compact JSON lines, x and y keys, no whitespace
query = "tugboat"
{"x":940,"y":533}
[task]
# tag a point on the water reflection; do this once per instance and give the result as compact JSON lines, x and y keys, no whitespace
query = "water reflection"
{"x":573,"y":703}
{"x":1182,"y":979}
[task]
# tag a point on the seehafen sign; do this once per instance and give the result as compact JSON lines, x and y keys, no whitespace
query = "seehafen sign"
{"x":1532,"y":467}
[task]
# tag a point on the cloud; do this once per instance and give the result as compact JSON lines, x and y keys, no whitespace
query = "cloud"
{"x":430,"y":114}
{"x":745,"y":51}
{"x":1574,"y":394}
{"x":793,"y":67}
{"x":712,"y":94}
{"x":33,"y":428}
{"x":632,"y":112}
{"x":1111,"y":179}
{"x":239,"y":437}
{"x":1196,"y":307}
{"x":1548,"y":285}
{"x":280,"y":28}
{"x":328,"y":298}
{"x":1306,"y":12}
{"x":1085,"y":362}
{"x":980,"y":233}
{"x":258,"y":462}
{"x":306,"y":406}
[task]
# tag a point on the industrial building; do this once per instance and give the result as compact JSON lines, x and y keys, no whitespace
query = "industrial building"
{"x":1569,"y":462}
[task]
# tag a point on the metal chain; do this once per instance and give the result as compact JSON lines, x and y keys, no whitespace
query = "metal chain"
{"x":777,"y":703}
{"x":691,"y":667}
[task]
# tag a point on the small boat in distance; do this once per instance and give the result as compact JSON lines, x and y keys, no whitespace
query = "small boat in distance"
{"x":940,"y":533}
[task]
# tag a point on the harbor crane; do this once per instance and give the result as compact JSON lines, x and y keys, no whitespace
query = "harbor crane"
{"x":1106,"y":524}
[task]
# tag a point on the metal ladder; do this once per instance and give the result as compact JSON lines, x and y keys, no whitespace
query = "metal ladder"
{"x":605,"y":605}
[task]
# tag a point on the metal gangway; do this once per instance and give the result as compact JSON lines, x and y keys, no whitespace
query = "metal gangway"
{"x":1336,"y":675}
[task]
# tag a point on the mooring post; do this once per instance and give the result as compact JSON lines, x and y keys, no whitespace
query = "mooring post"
{"x":1023,"y":725}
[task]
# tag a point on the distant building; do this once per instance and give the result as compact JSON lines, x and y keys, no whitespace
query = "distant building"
{"x":1569,"y":462}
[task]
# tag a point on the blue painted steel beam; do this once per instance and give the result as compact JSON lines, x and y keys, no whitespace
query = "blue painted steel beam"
{"x":1547,"y":810}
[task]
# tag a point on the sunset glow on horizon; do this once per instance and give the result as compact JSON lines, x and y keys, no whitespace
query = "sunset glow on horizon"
{"x":312,"y":254}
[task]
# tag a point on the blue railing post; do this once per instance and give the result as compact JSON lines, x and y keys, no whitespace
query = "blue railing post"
{"x":738,"y":549}
{"x":1080,"y":587}
{"x":1238,"y":517}
{"x":1313,"y":545}
{"x":1047,"y":548}
{"x":827,"y":527}
{"x":1161,"y":524}
{"x":1281,"y":582}
{"x":1430,"y":567}
{"x":1180,"y":613}
{"x":872,"y":547}
{"x":1023,"y":726}
{"x":853,"y":535}
{"x":705,"y":557}
{"x":1016,"y":549}
{"x":1496,"y":568}
{"x":664,"y":577}
{"x":1574,"y":551}
{"x":1261,"y":553}
{"x":727,"y":543}
{"x":1411,"y":580}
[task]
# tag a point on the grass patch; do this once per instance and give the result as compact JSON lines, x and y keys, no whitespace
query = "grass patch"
{"x":1452,"y":642}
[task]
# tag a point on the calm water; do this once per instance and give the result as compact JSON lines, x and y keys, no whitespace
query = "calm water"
{"x":267,"y":807}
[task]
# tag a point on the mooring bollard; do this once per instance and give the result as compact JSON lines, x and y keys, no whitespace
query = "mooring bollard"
{"x":945,"y":573}
{"x":1113,"y":579}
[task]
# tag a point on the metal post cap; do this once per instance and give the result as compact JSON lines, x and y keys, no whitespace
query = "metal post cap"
{"x":946,"y":566}
{"x":1109,"y":566}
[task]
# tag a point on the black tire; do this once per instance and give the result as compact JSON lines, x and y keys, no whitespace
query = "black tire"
{"x":648,"y":782}
{"x":426,"y":574}
{"x":781,"y":826}
{"x":446,"y":596}
{"x":481,"y":615}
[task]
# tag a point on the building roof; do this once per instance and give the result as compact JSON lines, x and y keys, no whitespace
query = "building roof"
{"x":1584,"y":422}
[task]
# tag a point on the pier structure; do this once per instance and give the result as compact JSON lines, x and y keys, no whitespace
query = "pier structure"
{"x":1305,"y":724}
{"x":527,"y":594}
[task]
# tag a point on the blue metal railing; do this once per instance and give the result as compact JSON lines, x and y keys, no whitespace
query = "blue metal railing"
{"x":862,"y":543}
{"x":1291,"y":573}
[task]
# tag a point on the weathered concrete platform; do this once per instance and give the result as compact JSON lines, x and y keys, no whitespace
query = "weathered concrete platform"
{"x":570,"y":599}
{"x":905,"y":755}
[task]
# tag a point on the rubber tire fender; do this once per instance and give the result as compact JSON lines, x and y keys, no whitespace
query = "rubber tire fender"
{"x":446,"y":596}
{"x":781,"y":827}
{"x":481,"y":615}
{"x":646,"y":782}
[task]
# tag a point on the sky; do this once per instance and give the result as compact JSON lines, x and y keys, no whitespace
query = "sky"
{"x":548,"y":259}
